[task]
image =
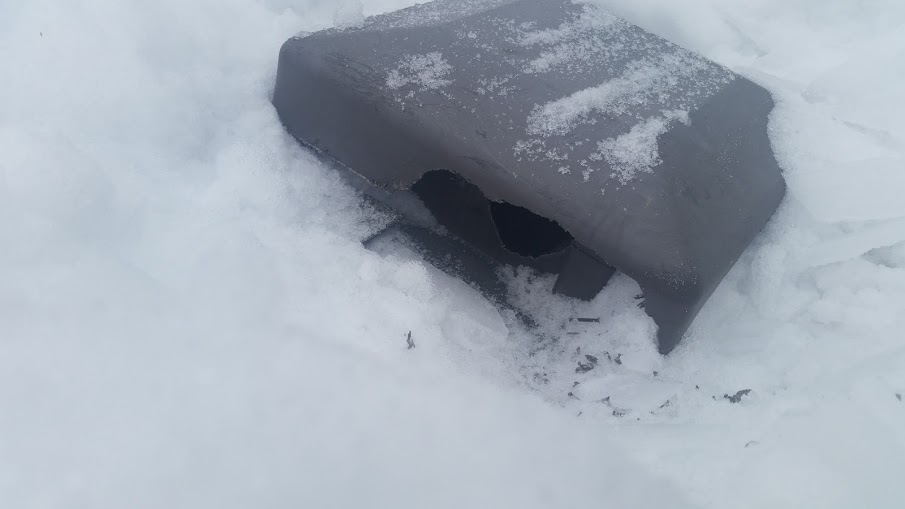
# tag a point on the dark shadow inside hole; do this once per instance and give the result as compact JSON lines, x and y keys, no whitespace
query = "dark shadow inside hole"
{"x":526,"y":233}
{"x":462,"y":208}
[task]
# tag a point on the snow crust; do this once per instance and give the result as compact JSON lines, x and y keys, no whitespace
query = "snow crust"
{"x":187,"y":318}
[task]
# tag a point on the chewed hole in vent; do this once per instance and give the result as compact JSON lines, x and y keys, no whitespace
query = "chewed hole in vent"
{"x":526,"y":233}
{"x":462,"y":208}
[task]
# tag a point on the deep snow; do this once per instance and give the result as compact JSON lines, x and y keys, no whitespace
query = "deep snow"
{"x":187,"y":318}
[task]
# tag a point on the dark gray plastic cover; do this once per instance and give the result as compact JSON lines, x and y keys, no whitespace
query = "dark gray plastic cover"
{"x":654,"y":159}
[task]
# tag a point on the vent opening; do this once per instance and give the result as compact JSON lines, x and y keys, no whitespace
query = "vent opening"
{"x":494,"y":227}
{"x":526,"y":233}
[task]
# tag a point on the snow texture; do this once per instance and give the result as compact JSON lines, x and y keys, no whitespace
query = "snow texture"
{"x":424,"y":72}
{"x":349,"y":15}
{"x":668,"y":83}
{"x":637,"y":150}
{"x":188,"y":319}
{"x":433,"y":13}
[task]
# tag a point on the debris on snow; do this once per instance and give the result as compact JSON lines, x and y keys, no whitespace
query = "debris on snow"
{"x":737,"y":397}
{"x":585,"y":367}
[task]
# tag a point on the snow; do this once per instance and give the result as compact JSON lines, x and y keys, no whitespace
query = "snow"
{"x":187,"y":318}
{"x":637,"y":150}
{"x":349,"y":15}
{"x":432,"y":13}
{"x":672,"y":80}
{"x":652,"y":86}
{"x":574,"y":44}
{"x":424,"y":72}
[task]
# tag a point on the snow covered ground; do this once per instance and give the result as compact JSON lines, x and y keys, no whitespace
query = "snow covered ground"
{"x":187,"y":318}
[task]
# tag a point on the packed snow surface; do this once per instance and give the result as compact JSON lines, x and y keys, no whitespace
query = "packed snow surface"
{"x":188,"y":319}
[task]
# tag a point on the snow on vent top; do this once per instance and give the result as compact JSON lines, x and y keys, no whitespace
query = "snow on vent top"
{"x":665,"y":81}
{"x":425,"y":72}
{"x":653,"y":90}
{"x":433,"y":13}
{"x":668,"y":86}
{"x":589,"y":21}
{"x":630,"y":84}
{"x":636,"y":151}
{"x":577,"y":42}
